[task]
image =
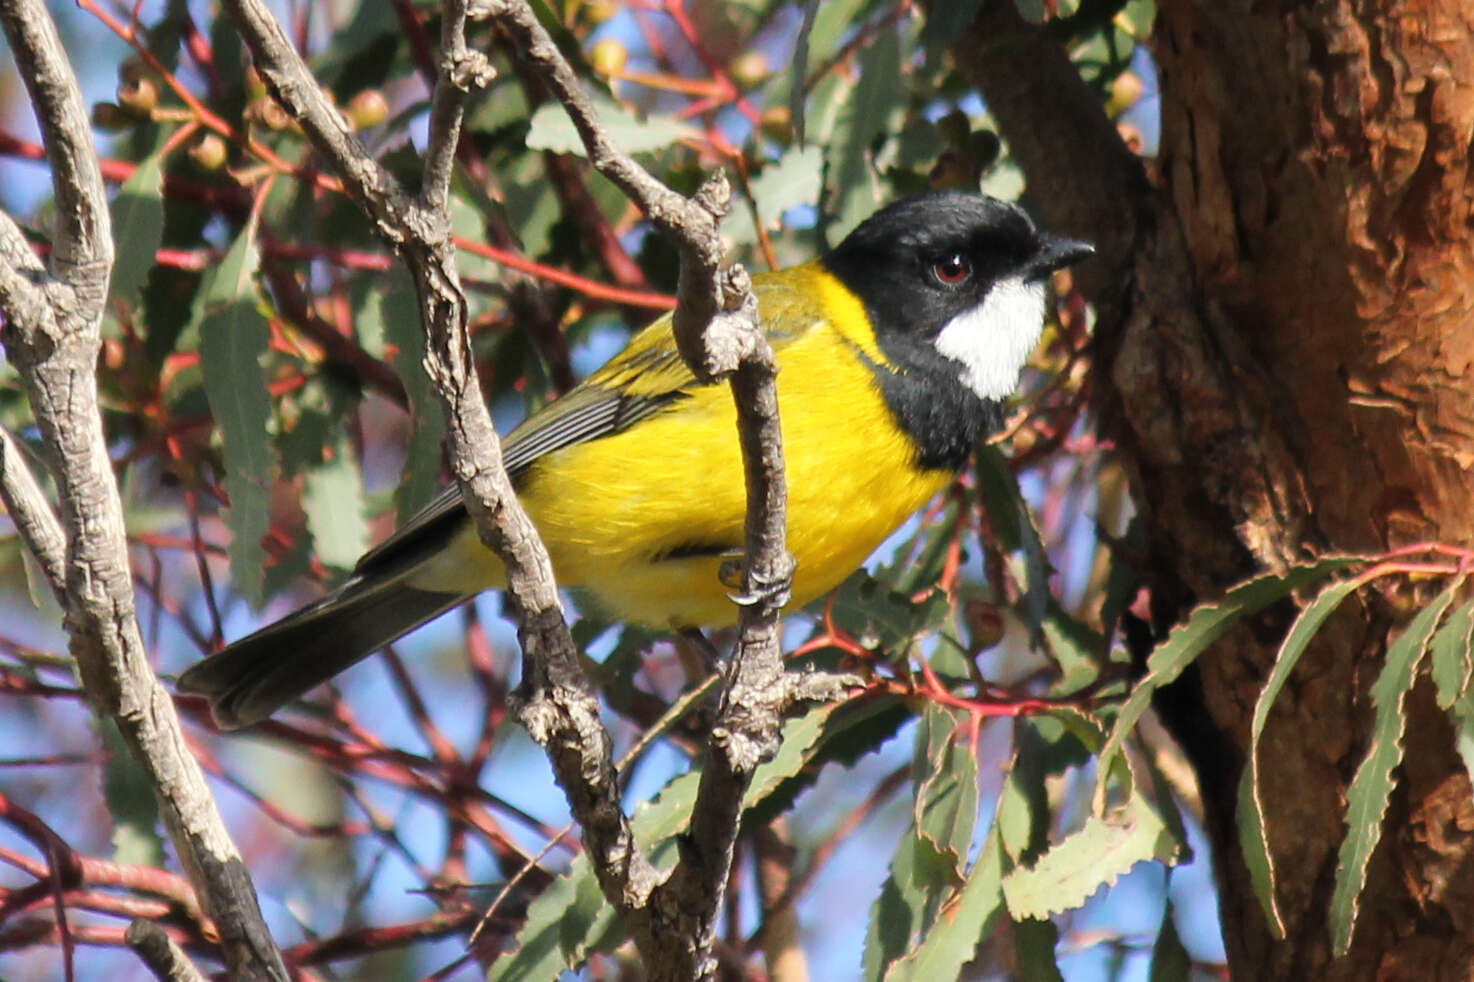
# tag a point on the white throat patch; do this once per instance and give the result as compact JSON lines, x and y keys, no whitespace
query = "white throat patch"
{"x":994,"y":339}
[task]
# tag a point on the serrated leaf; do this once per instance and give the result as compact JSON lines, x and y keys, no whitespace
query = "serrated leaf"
{"x":899,"y":910}
{"x":572,"y":911}
{"x":946,"y":22}
{"x":884,"y":618}
{"x":854,"y":730}
{"x":1253,"y":839}
{"x":332,"y":498}
{"x":1371,"y":788}
{"x":571,"y":918}
{"x":138,"y":229}
{"x":1453,"y":655}
{"x":1099,"y":854}
{"x":1206,"y":624}
{"x":1015,"y":817}
{"x":794,"y":752}
{"x":1461,"y":714}
{"x":946,"y":804}
{"x":962,"y":923}
{"x":1044,"y":746}
{"x":1013,"y":525}
{"x":551,"y":129}
{"x":234,"y":338}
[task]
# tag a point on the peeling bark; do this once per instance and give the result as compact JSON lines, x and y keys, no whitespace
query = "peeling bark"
{"x":1283,"y":356}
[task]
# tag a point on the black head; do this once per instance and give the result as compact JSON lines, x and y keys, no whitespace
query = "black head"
{"x":954,"y":284}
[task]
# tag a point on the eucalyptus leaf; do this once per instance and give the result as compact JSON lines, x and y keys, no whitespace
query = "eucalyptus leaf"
{"x":1207,"y":623}
{"x":551,"y":129}
{"x":1097,"y":855}
{"x":1371,"y":788}
{"x":234,"y":338}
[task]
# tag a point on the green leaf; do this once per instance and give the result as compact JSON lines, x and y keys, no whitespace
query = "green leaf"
{"x":796,"y":178}
{"x":1252,"y":836}
{"x":1366,"y":799}
{"x":389,"y":326}
{"x":1034,"y":942}
{"x":946,"y":804}
{"x":551,"y":129}
{"x":883,"y":618}
{"x":1013,"y":526}
{"x":332,"y":497}
{"x":1044,"y":746}
{"x":1170,"y":960}
{"x":946,"y":22}
{"x":962,"y":923}
{"x":130,"y":801}
{"x":1462,"y":716}
{"x":138,"y":229}
{"x":1206,"y":624}
{"x":571,"y":918}
{"x":1453,"y":657}
{"x":1102,"y":851}
{"x":234,"y":337}
{"x":855,"y":729}
{"x":795,"y":752}
{"x":899,"y":913}
{"x":1016,"y":818}
{"x":876,"y":95}
{"x":572,"y":912}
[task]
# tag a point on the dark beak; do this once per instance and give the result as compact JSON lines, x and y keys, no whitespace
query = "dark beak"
{"x":1056,"y":253}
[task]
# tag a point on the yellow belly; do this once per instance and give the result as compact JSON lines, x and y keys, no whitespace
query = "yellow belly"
{"x":612,"y":510}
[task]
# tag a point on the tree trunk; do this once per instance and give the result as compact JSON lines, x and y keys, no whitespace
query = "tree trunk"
{"x":1285,"y":340}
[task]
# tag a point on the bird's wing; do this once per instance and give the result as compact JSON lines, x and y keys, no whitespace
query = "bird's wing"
{"x":647,"y":377}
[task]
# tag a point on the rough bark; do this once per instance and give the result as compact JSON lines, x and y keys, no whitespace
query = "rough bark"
{"x":1315,"y":160}
{"x":1284,"y":346}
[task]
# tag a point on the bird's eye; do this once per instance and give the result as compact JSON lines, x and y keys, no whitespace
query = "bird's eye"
{"x":952,"y":270}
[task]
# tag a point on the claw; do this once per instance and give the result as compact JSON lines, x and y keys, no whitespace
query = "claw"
{"x":773,"y":590}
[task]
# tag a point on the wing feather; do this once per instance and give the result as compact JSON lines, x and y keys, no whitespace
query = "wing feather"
{"x":646,"y":378}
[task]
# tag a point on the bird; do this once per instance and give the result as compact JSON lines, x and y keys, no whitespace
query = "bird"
{"x":895,"y":351}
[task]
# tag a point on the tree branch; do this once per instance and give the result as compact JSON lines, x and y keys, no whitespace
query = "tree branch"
{"x":52,"y":335}
{"x":32,"y":515}
{"x":163,"y":956}
{"x":462,"y":71}
{"x":560,"y":709}
{"x":718,"y":333}
{"x":83,"y":228}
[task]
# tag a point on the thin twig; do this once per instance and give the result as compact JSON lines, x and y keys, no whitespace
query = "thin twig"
{"x":161,"y":953}
{"x":717,"y":330}
{"x":560,"y":709}
{"x":32,"y":514}
{"x":52,"y":334}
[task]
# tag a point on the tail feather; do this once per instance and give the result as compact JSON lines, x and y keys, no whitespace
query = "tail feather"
{"x":252,"y":678}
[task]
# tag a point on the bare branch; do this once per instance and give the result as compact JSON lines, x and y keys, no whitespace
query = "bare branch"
{"x":462,"y":71}
{"x":560,"y":709}
{"x":52,"y":335}
{"x":32,"y":515}
{"x":717,"y":330}
{"x":393,"y":212}
{"x":164,"y":958}
{"x":84,"y":238}
{"x":712,"y":344}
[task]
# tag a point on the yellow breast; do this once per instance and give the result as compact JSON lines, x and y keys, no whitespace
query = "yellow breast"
{"x":629,"y":516}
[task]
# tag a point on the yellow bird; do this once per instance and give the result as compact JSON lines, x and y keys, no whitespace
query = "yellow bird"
{"x":895,"y":352}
